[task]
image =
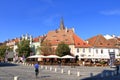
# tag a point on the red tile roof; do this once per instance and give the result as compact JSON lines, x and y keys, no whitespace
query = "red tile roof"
{"x":115,"y":41}
{"x":37,"y":39}
{"x":17,"y":40}
{"x":100,"y":41}
{"x":79,"y":42}
{"x":57,"y":36}
{"x":66,"y":36}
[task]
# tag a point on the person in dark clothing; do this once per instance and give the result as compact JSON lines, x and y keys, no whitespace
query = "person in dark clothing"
{"x":117,"y":69}
{"x":36,"y":66}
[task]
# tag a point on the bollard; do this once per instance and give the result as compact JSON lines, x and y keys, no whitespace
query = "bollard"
{"x":27,"y":64}
{"x":50,"y":68}
{"x":16,"y":78}
{"x":69,"y":72}
{"x":46,"y":67}
{"x":41,"y":67}
{"x":61,"y":70}
{"x":55,"y":69}
{"x":78,"y":74}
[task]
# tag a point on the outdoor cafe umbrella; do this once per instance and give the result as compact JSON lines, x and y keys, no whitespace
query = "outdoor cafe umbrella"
{"x":68,"y":57}
{"x":52,"y":56}
{"x":36,"y":56}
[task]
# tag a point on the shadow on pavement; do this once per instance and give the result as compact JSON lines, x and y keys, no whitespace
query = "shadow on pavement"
{"x":45,"y":76}
{"x":105,"y":75}
{"x":7,"y":64}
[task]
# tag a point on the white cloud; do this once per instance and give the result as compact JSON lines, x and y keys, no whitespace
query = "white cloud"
{"x":111,"y":12}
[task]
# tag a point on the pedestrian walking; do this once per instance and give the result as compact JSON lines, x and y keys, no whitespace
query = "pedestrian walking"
{"x":36,"y":66}
{"x":117,"y":69}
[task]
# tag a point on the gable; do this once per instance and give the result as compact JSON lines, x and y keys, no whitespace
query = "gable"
{"x":100,"y":41}
{"x":79,"y":42}
{"x":57,"y":36}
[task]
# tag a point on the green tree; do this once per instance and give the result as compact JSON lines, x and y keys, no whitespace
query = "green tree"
{"x":24,"y":48}
{"x":46,"y":48}
{"x":62,"y":49}
{"x":2,"y":51}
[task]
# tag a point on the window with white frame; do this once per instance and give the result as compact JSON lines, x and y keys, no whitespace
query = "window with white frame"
{"x":114,"y":50}
{"x":101,"y":51}
{"x":89,"y":50}
{"x":83,"y":50}
{"x":96,"y":50}
{"x":77,"y":50}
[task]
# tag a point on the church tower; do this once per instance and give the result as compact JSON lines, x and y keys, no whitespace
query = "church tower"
{"x":62,"y":27}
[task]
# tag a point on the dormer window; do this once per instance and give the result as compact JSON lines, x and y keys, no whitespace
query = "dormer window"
{"x":57,"y":40}
{"x":101,"y":44}
{"x":78,"y":43}
{"x":63,"y":35}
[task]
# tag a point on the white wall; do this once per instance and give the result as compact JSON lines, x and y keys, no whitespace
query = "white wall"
{"x":93,"y":54}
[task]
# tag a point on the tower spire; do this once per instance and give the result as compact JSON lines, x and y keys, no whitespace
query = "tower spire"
{"x":62,"y":27}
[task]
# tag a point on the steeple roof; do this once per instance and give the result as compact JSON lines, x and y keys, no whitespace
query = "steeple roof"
{"x":62,"y":27}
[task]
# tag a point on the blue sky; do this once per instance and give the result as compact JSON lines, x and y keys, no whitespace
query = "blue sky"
{"x":37,"y":17}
